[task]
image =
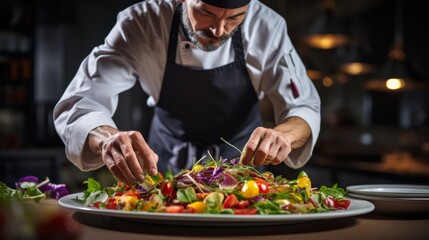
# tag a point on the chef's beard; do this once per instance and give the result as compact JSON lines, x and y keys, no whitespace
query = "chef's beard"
{"x":213,"y":43}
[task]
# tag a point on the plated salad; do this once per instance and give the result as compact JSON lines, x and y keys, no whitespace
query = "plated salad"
{"x":217,"y":187}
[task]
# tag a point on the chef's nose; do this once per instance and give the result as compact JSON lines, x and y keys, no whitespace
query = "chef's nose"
{"x":218,"y":28}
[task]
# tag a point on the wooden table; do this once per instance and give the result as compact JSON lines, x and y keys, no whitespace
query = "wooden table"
{"x":366,"y":227}
{"x":89,"y":226}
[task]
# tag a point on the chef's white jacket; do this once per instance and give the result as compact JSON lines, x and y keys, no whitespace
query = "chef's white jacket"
{"x":136,"y":50}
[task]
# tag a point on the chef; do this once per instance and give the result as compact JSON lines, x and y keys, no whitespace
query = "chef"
{"x":204,"y":64}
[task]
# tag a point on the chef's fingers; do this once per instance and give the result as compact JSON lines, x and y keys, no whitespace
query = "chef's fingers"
{"x":131,"y":158}
{"x":261,"y":153}
{"x":123,"y":166}
{"x":267,"y":149}
{"x":250,"y":148}
{"x":282,"y":154}
{"x":273,"y":154}
{"x":272,"y":147}
{"x":285,"y":149}
{"x":113,"y":168}
{"x":150,"y":159}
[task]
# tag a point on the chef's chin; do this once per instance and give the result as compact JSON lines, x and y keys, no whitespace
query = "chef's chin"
{"x":209,"y":45}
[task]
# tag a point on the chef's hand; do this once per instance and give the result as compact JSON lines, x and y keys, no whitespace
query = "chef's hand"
{"x":272,"y":146}
{"x":125,"y":153}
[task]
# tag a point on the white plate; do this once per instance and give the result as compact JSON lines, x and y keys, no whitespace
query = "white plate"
{"x":396,"y":206}
{"x":357,"y":207}
{"x":391,"y":190}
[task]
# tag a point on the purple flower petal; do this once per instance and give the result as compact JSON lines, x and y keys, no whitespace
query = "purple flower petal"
{"x":29,"y":179}
{"x":60,"y":191}
{"x":26,"y":179}
{"x":234,"y":161}
{"x":54,"y":190}
{"x":47,"y":187}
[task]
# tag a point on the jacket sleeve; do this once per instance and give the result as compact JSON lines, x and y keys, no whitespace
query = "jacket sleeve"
{"x":292,"y":93}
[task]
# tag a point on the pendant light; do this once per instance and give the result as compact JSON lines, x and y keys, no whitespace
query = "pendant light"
{"x":396,"y":74}
{"x":356,"y":64}
{"x":326,"y":32}
{"x":357,"y":61}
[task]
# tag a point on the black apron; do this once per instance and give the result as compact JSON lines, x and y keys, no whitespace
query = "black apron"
{"x":197,"y":108}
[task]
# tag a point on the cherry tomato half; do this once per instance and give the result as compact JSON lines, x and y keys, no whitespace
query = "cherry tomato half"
{"x":344,"y":203}
{"x":231,"y":201}
{"x":167,"y":188}
{"x":337,"y":204}
{"x":112,"y":203}
{"x":330,"y":202}
{"x":242,"y":204}
{"x":262,"y":185}
{"x":175,"y":209}
{"x":245,"y":211}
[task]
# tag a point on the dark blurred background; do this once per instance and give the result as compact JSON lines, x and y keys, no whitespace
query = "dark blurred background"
{"x":370,"y":134}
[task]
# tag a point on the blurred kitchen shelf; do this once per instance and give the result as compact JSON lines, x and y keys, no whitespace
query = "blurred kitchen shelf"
{"x":17,"y":82}
{"x":39,"y":162}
